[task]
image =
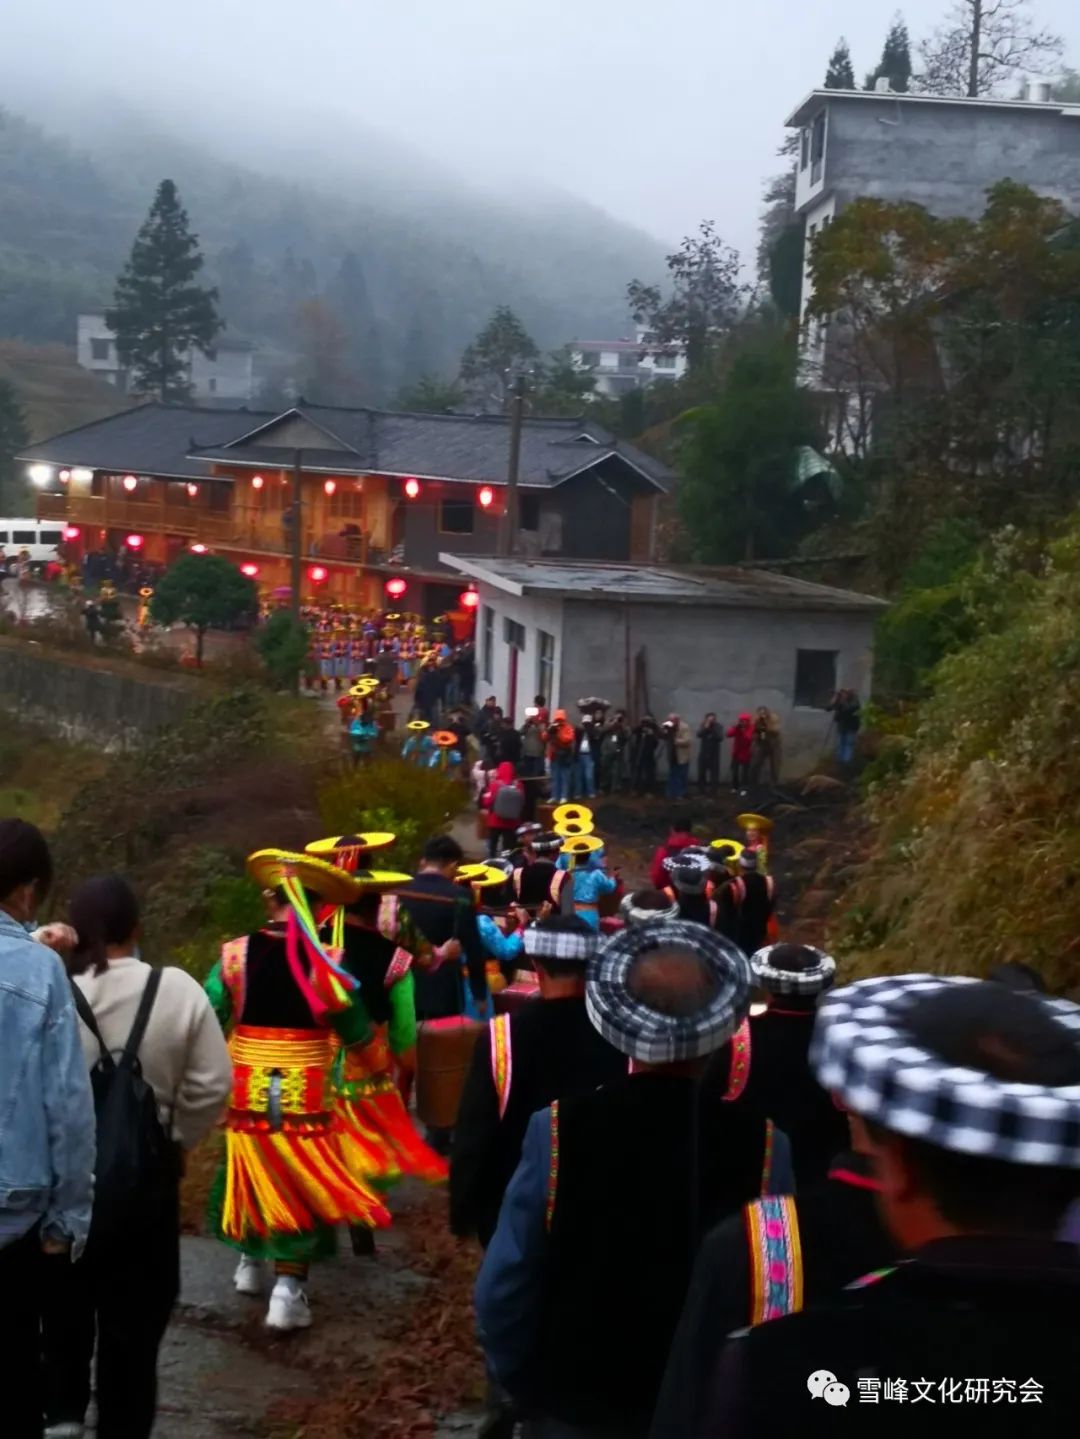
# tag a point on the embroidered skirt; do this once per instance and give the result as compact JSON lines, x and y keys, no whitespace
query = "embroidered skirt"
{"x":285,"y":1183}
{"x":378,"y":1139}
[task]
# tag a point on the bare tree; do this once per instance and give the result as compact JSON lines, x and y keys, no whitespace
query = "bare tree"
{"x":981,"y":45}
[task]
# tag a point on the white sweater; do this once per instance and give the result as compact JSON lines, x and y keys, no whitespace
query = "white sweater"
{"x":183,"y":1054}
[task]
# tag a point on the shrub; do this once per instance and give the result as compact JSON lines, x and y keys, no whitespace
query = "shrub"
{"x":283,"y":644}
{"x":389,"y":794}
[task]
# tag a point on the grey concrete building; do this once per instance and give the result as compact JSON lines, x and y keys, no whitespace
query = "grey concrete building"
{"x":939,"y":152}
{"x":671,"y":640}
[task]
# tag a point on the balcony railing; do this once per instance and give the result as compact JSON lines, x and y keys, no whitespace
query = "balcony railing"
{"x":266,"y":536}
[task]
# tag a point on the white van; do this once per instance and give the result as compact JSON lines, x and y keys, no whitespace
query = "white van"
{"x":37,"y":538}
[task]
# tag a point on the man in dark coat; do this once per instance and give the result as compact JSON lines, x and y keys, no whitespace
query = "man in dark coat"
{"x":584,"y":1280}
{"x":829,"y":1236}
{"x":781,"y":1082}
{"x":547,"y":1051}
{"x":971,"y":1097}
{"x":442,"y":911}
{"x":747,"y":905}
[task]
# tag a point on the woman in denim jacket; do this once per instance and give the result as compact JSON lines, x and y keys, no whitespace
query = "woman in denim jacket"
{"x":46,"y":1120}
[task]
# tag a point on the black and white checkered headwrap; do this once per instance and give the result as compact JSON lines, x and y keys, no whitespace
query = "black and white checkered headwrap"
{"x":862,"y":1051}
{"x":541,"y":942}
{"x":526,"y":832}
{"x":644,"y":1033}
{"x":546,"y":843}
{"x":633,"y":914}
{"x":812,"y":980}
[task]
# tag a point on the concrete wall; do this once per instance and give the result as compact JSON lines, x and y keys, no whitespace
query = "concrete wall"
{"x":534,"y":615}
{"x":714,"y":659}
{"x":85,"y":704}
{"x":945,"y":156}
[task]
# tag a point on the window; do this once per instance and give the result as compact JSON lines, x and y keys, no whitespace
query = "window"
{"x":4,"y":540}
{"x":211,"y":354}
{"x":514,"y":634}
{"x":629,"y":359}
{"x":457,"y":517}
{"x":220,"y":498}
{"x":99,"y":349}
{"x":211,"y":385}
{"x":51,"y":537}
{"x":347,"y":502}
{"x":487,"y":645}
{"x":804,"y":156}
{"x":815,"y":678}
{"x":545,"y":663}
{"x":529,"y":513}
{"x":665,"y":362}
{"x":817,"y":149}
{"x":24,"y":537}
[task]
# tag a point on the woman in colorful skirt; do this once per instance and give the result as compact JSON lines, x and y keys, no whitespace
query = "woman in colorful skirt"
{"x":374,"y":1070}
{"x":285,"y":1185}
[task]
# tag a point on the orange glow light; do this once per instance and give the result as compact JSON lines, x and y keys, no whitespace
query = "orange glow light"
{"x":250,"y":570}
{"x":317,"y":574}
{"x":198,"y":549}
{"x":330,"y":486}
{"x":486,"y":497}
{"x":412,"y":489}
{"x":130,"y":483}
{"x":257,"y":482}
{"x":134,"y":542}
{"x":396,"y":588}
{"x":469,"y":599}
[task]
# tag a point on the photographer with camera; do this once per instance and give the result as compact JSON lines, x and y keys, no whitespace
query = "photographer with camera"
{"x":646,"y":741}
{"x":711,"y":737}
{"x":846,"y":710}
{"x":614,"y":747}
{"x":679,"y":742}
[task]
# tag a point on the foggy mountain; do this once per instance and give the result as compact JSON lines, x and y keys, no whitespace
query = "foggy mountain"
{"x":278,"y":209}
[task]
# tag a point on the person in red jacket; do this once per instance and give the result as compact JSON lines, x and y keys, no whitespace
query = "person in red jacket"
{"x":741,"y":736}
{"x":504,"y":801}
{"x":680,"y":837}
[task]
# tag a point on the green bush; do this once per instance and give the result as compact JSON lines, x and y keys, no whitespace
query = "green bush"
{"x":283,"y":644}
{"x":389,"y":794}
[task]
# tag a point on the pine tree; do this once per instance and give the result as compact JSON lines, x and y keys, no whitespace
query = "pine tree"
{"x":159,"y":314}
{"x":363,"y":342}
{"x":502,"y":346}
{"x":895,"y":62}
{"x":840,"y":74}
{"x":13,"y":436}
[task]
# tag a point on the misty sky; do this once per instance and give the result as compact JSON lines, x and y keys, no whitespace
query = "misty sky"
{"x":663,"y":112}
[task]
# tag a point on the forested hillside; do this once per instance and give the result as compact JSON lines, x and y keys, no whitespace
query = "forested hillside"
{"x":401,"y":265}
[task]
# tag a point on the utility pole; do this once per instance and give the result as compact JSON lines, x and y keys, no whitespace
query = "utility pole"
{"x":517,"y":414}
{"x":976,"y":42}
{"x":297,"y":531}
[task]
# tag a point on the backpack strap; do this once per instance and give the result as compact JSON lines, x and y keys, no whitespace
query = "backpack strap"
{"x":502,"y":1065}
{"x":86,"y":1014}
{"x":142,"y":1018}
{"x":776,"y":1268}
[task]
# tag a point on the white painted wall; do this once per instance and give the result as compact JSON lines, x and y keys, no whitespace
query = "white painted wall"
{"x":534,"y":614}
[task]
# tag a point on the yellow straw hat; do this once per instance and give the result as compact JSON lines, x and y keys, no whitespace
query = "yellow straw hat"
{"x":754,"y":821}
{"x":728,"y":849}
{"x":582,"y":844}
{"x":567,"y":812}
{"x":345,"y":850}
{"x":481,"y":876}
{"x":418,"y":726}
{"x":575,"y":828}
{"x":269,"y":867}
{"x":444,"y":738}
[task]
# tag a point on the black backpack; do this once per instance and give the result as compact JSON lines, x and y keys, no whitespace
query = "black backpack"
{"x":137,"y":1168}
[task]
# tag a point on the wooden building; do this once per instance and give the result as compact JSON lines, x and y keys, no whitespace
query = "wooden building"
{"x":382,"y":494}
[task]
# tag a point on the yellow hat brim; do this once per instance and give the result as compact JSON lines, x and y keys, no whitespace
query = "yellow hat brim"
{"x":729,"y":848}
{"x":329,"y":849}
{"x":582,"y":844}
{"x":575,"y":828}
{"x":483,"y":876}
{"x":566,"y":812}
{"x":418,"y":726}
{"x":270,"y":867}
{"x":754,"y":821}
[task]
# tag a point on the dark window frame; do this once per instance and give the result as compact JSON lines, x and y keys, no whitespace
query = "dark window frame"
{"x":461,"y":505}
{"x":816,"y":673}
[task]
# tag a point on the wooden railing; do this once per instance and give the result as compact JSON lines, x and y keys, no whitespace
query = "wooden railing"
{"x":267,"y":536}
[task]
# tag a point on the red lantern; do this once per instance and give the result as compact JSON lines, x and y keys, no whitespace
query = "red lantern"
{"x":317,"y":574}
{"x":250,"y":570}
{"x":412,"y":489}
{"x":330,"y":486}
{"x":64,"y":476}
{"x":257,"y":482}
{"x":486,"y":497}
{"x":469,"y":599}
{"x":198,"y":549}
{"x":130,"y":483}
{"x":72,"y":532}
{"x":192,"y":490}
{"x":134,"y":542}
{"x":396,"y":588}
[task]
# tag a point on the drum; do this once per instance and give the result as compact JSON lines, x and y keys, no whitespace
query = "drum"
{"x":443,"y":1054}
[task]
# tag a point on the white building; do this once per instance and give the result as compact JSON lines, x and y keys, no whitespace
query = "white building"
{"x":223,"y":376}
{"x":619,"y":366}
{"x":670,"y":640}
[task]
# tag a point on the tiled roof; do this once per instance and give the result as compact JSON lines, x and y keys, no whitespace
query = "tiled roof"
{"x":180,"y":441}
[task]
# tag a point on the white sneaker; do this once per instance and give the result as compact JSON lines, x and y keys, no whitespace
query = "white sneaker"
{"x":289,"y":1307}
{"x":64,"y":1431}
{"x":249,"y":1277}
